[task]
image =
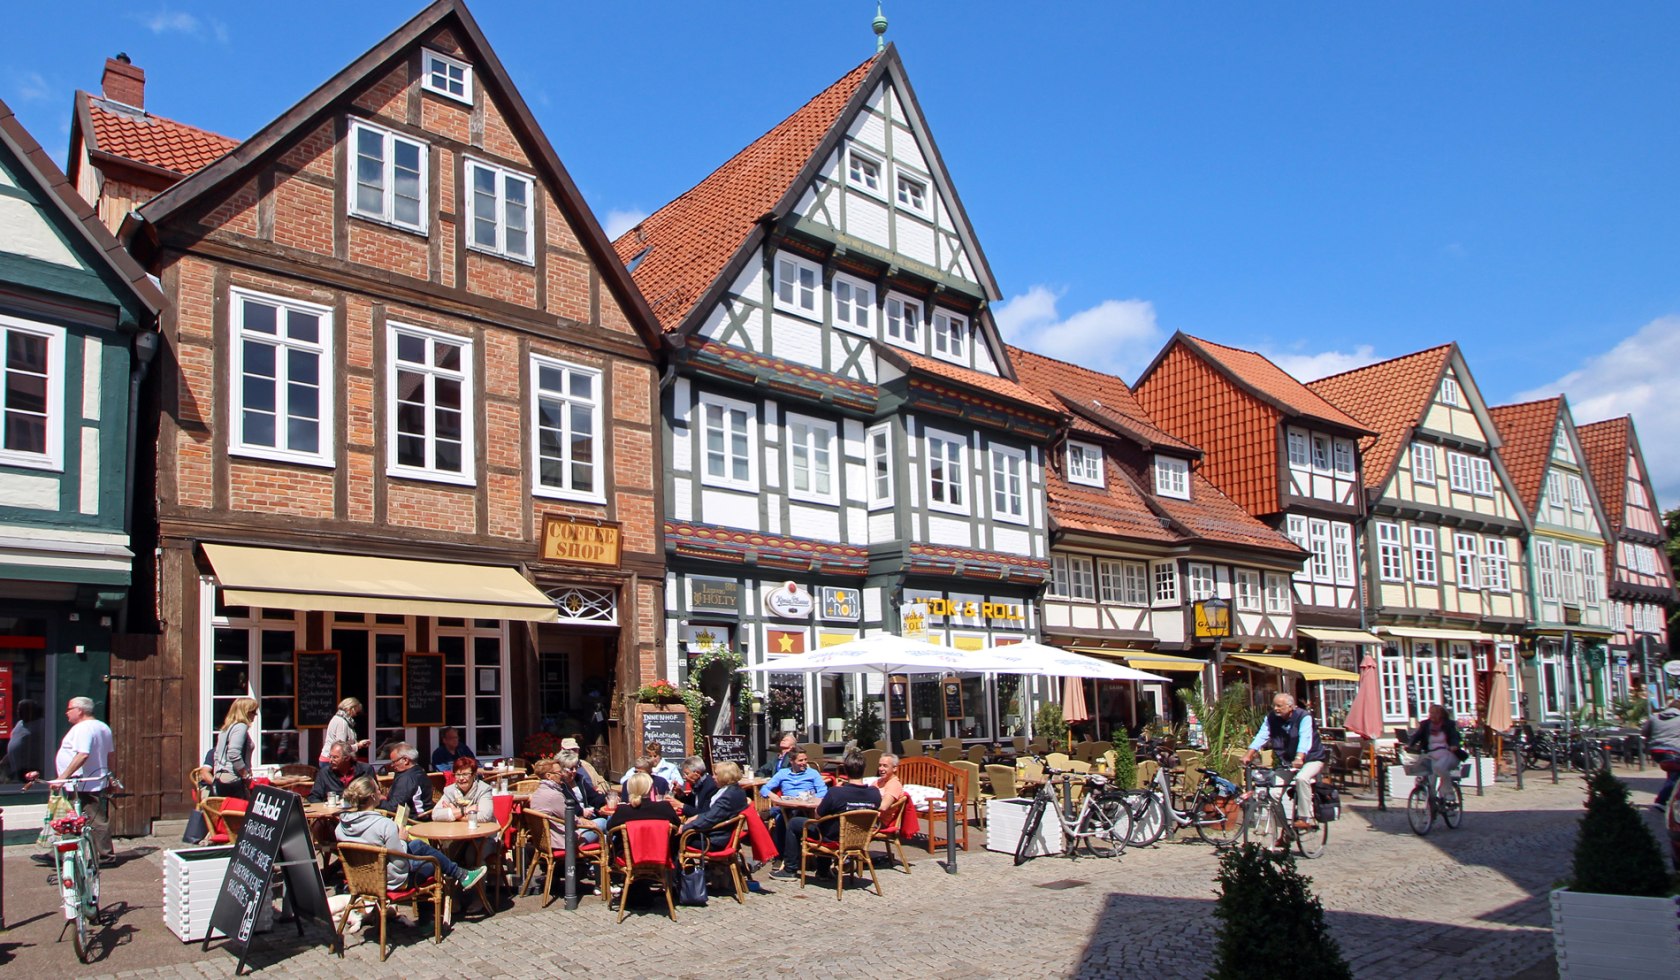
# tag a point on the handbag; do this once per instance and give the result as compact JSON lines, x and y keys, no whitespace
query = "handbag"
{"x":692,"y":888}
{"x":1463,"y":754}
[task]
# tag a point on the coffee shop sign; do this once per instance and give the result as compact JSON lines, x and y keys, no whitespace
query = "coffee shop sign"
{"x":969,"y":610}
{"x":789,"y":601}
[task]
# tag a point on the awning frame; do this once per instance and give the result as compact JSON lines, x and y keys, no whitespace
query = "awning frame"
{"x":1306,"y":668}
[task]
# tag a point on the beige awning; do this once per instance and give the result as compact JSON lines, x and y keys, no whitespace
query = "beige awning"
{"x":1311,"y":671}
{"x":322,"y":581}
{"x":1443,"y":633}
{"x":1339,"y":636}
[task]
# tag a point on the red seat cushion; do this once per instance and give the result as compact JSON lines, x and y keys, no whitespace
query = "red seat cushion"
{"x":591,"y":849}
{"x":219,"y":838}
{"x":728,"y":852}
{"x":400,"y":895}
{"x":824,"y":845}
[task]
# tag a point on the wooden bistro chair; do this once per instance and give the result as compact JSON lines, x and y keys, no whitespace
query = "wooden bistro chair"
{"x":931,"y":772}
{"x":889,"y":830}
{"x":643,"y":853}
{"x":211,"y":807}
{"x":692,"y":851}
{"x":1003,"y":782}
{"x":364,"y":873}
{"x":856,"y":830}
{"x":302,"y":769}
{"x":547,"y":834}
{"x":975,"y":793}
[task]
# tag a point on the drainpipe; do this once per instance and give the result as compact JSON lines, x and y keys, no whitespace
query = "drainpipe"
{"x":145,"y":348}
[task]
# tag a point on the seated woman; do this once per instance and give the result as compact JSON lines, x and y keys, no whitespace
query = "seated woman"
{"x":641,"y":805}
{"x":565,"y":785}
{"x":729,"y":802}
{"x":648,"y":763}
{"x":362,"y":823}
{"x":468,"y":798}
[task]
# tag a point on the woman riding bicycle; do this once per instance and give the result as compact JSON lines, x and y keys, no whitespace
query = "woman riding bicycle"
{"x":1289,"y":732}
{"x":1436,"y":741}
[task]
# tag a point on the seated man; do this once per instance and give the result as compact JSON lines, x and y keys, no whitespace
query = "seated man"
{"x":697,"y":786}
{"x":410,"y":786}
{"x":886,"y":780}
{"x":851,"y":795}
{"x":575,"y":743}
{"x":784,"y":755}
{"x":363,"y":824}
{"x":566,"y":786}
{"x":728,"y":802}
{"x":645,"y":764}
{"x":795,"y":792}
{"x":340,"y":770}
{"x":450,"y":747}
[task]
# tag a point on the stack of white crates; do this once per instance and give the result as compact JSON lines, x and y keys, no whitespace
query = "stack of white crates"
{"x":192,"y":881}
{"x":1005,"y":820}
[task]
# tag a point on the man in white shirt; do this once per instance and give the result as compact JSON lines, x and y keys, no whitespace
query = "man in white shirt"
{"x":84,"y":753}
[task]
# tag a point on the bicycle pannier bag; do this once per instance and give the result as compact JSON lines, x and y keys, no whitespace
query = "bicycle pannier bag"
{"x":1327,"y":803}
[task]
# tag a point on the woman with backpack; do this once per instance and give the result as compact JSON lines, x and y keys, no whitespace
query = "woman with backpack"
{"x":236,"y":746}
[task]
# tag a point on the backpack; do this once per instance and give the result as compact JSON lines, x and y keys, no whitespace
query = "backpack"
{"x":1327,"y":803}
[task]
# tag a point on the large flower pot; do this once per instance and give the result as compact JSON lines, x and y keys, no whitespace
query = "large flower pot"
{"x":1616,"y":937}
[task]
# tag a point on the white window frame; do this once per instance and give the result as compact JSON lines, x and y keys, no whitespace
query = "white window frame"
{"x":950,"y":335}
{"x":902,"y":323}
{"x":854,"y":304}
{"x":1556,"y":499}
{"x":1450,"y":393}
{"x":727,"y":479}
{"x":809,"y":440}
{"x":1577,"y":494}
{"x":432,"y":374}
{"x":879,"y":450}
{"x":387,"y":214}
{"x":1341,"y":451}
{"x":798,"y":290}
{"x":503,"y":177}
{"x":1461,"y":681}
{"x":1248,"y":594}
{"x":1300,"y":453}
{"x":1201,"y":582}
{"x":911,"y":192}
{"x":1391,"y":669}
{"x":567,"y":402}
{"x":1481,"y":476}
{"x":1172,"y":477}
{"x":858,"y":167}
{"x":1391,"y":562}
{"x":430,"y":61}
{"x":1085,"y":464}
{"x":1496,"y":565}
{"x":1082,"y":578}
{"x":55,"y":417}
{"x":1458,"y":472}
{"x":1425,"y":563}
{"x":1467,"y":555}
{"x":1277,"y":594}
{"x":1341,"y":553}
{"x":1426,"y":670}
{"x":1545,"y":560}
{"x":1059,"y":578}
{"x":1296,"y":527}
{"x":1592,"y":575}
{"x":1318,"y":535}
{"x":1123,"y":583}
{"x":1321,"y":454}
{"x":1009,"y":479}
{"x":1568,"y":574}
{"x":1561,"y":448}
{"x":955,"y":470}
{"x":1164,"y":583}
{"x":326,"y":373}
{"x":1423,"y":463}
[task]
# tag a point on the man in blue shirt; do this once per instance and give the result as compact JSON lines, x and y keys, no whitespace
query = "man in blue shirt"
{"x":450,"y":747}
{"x":795,"y":792}
{"x":1289,"y":732}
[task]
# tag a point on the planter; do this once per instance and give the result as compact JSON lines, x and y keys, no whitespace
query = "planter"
{"x":1616,"y":937}
{"x":192,"y":880}
{"x":1005,"y":819}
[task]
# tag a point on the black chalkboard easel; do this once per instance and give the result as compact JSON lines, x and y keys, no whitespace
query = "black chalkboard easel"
{"x":953,"y":699}
{"x":898,"y":697}
{"x":422,"y":689}
{"x":317,"y":687}
{"x":669,"y":729}
{"x":727,"y":748}
{"x":275,"y":837}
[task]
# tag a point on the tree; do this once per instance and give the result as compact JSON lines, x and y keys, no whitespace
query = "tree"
{"x":1270,"y":924}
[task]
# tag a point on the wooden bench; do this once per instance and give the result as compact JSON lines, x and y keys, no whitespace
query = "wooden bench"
{"x":925,"y":771}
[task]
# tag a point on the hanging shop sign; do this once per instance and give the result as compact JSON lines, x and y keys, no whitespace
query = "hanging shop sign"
{"x":782,"y":642}
{"x":1212,"y":618}
{"x":582,"y":541}
{"x":714,"y":594}
{"x":789,"y":601}
{"x":913,"y":620}
{"x":842,"y":605}
{"x":703,"y":639}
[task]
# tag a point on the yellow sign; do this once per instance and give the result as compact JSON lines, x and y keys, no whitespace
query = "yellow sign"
{"x":914,"y":620}
{"x":827,"y":638}
{"x":580,"y":541}
{"x":1212,"y":619}
{"x":969,"y":642}
{"x":984,"y":610}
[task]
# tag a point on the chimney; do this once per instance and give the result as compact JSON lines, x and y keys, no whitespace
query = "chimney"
{"x":123,"y":82}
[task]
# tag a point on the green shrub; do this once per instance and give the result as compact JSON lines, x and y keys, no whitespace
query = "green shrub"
{"x":1047,"y":723}
{"x":1270,"y":924}
{"x":1615,"y":853}
{"x":864,"y":724}
{"x":1228,"y":723}
{"x":1125,"y":763}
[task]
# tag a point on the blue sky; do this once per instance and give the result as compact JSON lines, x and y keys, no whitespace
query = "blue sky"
{"x":1329,"y":183}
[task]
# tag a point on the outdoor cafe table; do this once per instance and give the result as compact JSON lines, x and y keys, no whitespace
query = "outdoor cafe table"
{"x":452,"y":834}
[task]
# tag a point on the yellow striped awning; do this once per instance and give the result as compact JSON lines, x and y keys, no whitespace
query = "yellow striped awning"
{"x":1144,"y":660}
{"x":1339,"y":636}
{"x":1307,"y":669}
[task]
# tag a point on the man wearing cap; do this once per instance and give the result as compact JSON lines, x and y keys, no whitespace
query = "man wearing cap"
{"x":571,"y":742}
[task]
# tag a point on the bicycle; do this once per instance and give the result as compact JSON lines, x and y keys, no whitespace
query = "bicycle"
{"x":1425,"y":803}
{"x":75,"y":870}
{"x":1213,"y":810}
{"x":1101,"y":825}
{"x":1266,"y":814}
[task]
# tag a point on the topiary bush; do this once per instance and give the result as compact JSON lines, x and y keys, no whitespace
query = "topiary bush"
{"x":1270,"y":924}
{"x":1615,"y":853}
{"x":1125,"y":763}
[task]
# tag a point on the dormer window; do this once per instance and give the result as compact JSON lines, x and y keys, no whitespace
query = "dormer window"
{"x":950,"y":333}
{"x":1172,"y":477}
{"x":1085,"y":464}
{"x":863,"y":172}
{"x":446,"y":76}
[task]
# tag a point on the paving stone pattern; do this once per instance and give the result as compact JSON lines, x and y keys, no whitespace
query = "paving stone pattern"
{"x":1466,"y":903}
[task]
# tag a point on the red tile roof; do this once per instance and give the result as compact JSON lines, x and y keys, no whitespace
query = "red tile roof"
{"x":974,"y":379}
{"x":1526,"y":432}
{"x":1212,"y":516}
{"x":152,"y":140}
{"x":1390,"y":397}
{"x":1272,"y":383}
{"x":1117,"y":508}
{"x":688,"y":241}
{"x":1101,"y":402}
{"x":1606,"y":447}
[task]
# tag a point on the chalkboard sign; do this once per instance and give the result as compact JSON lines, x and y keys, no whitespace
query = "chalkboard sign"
{"x":274,"y":836}
{"x":422,"y":689}
{"x":898,"y":697}
{"x":669,"y":729}
{"x":953,"y":699}
{"x":727,"y":748}
{"x":317,"y":687}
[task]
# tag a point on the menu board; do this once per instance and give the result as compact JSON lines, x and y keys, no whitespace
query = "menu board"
{"x":727,"y":748}
{"x":669,"y":729}
{"x":898,"y":697}
{"x":422,"y":689}
{"x":952,"y":689}
{"x":317,"y":687}
{"x":274,"y":836}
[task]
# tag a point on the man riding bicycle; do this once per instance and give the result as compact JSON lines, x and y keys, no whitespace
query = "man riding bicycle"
{"x":1289,"y":732}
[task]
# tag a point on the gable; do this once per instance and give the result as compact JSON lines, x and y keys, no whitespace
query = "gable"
{"x":1453,"y":408}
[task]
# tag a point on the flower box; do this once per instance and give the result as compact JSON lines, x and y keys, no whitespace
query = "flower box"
{"x":1616,"y":937}
{"x":192,"y":881}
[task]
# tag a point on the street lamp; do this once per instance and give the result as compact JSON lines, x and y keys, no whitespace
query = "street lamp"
{"x":756,"y":736}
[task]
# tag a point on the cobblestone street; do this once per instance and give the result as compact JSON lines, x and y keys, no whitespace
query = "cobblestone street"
{"x":1466,"y":903}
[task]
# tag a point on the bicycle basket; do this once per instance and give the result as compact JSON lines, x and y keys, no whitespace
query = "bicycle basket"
{"x":1266,"y":777}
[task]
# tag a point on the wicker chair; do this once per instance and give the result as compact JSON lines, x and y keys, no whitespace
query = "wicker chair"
{"x":385,"y":780}
{"x":950,"y":742}
{"x":543,"y":832}
{"x":1003,"y":782}
{"x":1019,"y":744}
{"x":1032,"y":769}
{"x":197,"y":784}
{"x":642,"y":852}
{"x":299,"y":769}
{"x":1146,"y":770}
{"x":975,"y":793}
{"x":977,"y":754}
{"x":440,"y":782}
{"x":364,"y":873}
{"x":851,"y":846}
{"x":1058,"y":760}
{"x":234,"y":821}
{"x":527,"y":785}
{"x":211,"y":807}
{"x":888,"y":831}
{"x":912,"y":746}
{"x":950,"y":754}
{"x":1039,"y":745}
{"x":693,"y":850}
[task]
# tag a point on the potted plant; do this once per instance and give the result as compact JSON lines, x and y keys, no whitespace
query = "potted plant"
{"x":1619,"y":916}
{"x":659,"y":692}
{"x":1270,"y":923}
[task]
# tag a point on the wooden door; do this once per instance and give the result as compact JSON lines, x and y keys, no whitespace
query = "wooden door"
{"x":147,"y":708}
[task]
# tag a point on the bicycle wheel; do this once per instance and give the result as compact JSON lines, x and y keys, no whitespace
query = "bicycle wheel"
{"x":1311,"y":843}
{"x":71,"y":876}
{"x":1536,"y":756}
{"x":1148,"y":814}
{"x":1104,"y":827}
{"x":1258,"y":824}
{"x":1418,"y":811}
{"x":1452,"y":806}
{"x":1029,"y":831}
{"x":1218,"y":819}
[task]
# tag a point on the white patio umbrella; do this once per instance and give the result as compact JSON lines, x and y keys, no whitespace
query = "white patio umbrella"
{"x":886,"y":653}
{"x":1043,"y":660}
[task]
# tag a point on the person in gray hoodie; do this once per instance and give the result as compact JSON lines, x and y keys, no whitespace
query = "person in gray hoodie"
{"x":362,"y":824}
{"x":1662,"y":738}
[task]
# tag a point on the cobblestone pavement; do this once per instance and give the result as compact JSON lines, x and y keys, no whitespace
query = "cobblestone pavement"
{"x":1464,"y":903}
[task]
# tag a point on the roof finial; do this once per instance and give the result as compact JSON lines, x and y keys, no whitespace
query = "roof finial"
{"x":880,"y":25}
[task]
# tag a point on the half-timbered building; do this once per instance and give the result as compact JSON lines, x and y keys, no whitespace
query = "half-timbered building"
{"x":845,"y":434}
{"x":1443,"y":549}
{"x":1569,"y":619}
{"x":1641,"y":579}
{"x":405,"y":431}
{"x":1151,"y":562}
{"x":1291,"y":459}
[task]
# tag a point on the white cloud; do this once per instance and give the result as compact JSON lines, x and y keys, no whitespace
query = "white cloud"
{"x":30,"y":86}
{"x":620,"y":221}
{"x":1637,"y":377}
{"x":1311,"y":367}
{"x":1117,"y":335}
{"x":166,"y":21}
